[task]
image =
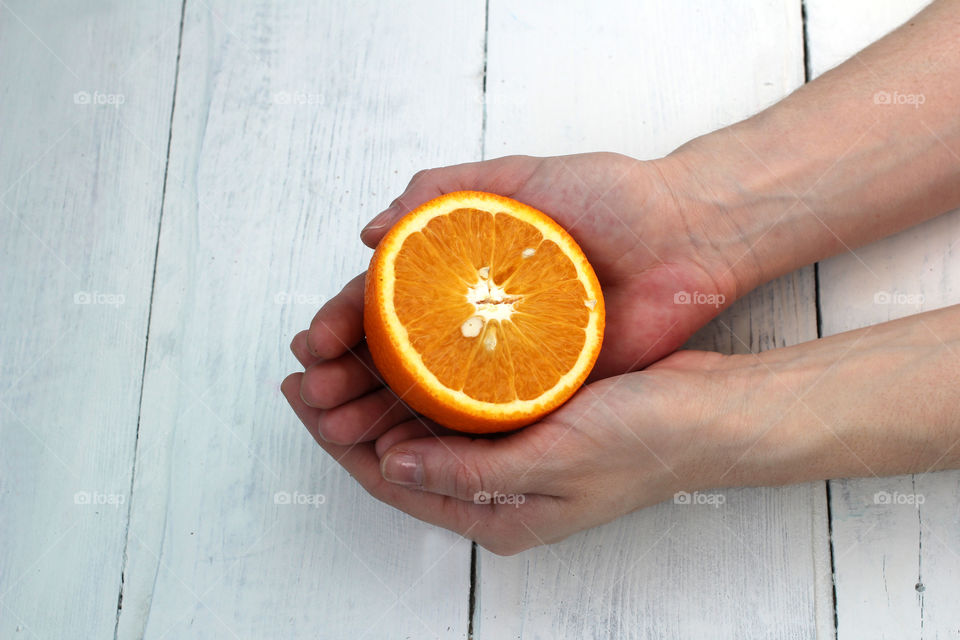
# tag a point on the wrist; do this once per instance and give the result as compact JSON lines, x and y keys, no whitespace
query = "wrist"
{"x":721,"y":202}
{"x":873,"y":402}
{"x":821,"y":172}
{"x":717,"y":411}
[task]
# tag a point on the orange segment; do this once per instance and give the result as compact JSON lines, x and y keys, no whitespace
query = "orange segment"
{"x":482,"y":312}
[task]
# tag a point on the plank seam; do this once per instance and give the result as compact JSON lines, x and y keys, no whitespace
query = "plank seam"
{"x":473,"y":590}
{"x":816,"y":298}
{"x":919,"y":588}
{"x":833,"y":566}
{"x":472,"y":597}
{"x":486,"y":40}
{"x":807,"y":75}
{"x":146,"y":342}
{"x":826,"y":483}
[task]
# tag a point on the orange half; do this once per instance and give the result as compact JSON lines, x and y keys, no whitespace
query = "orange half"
{"x":481,"y":312}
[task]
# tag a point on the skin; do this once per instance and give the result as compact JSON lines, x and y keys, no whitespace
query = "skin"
{"x":825,"y":170}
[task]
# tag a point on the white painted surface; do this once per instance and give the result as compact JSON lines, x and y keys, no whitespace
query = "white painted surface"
{"x":79,"y":206}
{"x":642,"y":78}
{"x":837,"y":30}
{"x":636,"y":77}
{"x":294,"y":123}
{"x":897,"y":565}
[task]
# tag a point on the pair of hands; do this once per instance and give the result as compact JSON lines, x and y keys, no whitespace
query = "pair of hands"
{"x":809,"y":177}
{"x":628,"y":438}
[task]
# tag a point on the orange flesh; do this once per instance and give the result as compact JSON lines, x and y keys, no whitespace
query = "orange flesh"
{"x":543,"y":337}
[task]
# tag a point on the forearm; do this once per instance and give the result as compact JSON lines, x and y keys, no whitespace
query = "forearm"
{"x":878,"y":401}
{"x":834,"y":166}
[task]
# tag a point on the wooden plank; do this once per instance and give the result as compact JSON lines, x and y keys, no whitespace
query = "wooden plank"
{"x":641,"y":78}
{"x":294,"y":124}
{"x":896,"y":540}
{"x":83,"y":90}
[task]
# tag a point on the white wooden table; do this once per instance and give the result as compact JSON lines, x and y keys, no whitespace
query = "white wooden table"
{"x":183,"y":185}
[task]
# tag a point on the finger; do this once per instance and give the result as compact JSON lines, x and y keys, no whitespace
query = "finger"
{"x":502,"y":530}
{"x":462,"y":467}
{"x":338,"y":324}
{"x":409,"y":430}
{"x":365,"y":418}
{"x":330,"y":383}
{"x":361,"y":462}
{"x":309,"y":416}
{"x":299,"y":348}
{"x":503,"y":176}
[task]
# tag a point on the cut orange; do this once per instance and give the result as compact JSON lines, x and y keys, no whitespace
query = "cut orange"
{"x":481,"y":312}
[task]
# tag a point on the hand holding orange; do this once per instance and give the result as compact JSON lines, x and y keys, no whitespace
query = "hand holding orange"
{"x":642,"y":244}
{"x":481,"y":312}
{"x":647,"y":236}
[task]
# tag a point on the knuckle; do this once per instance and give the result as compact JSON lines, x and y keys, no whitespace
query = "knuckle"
{"x":467,"y":481}
{"x":419,"y":175}
{"x":323,"y":386}
{"x":480,"y":471}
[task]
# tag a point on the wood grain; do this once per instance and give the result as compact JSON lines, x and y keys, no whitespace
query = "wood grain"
{"x":294,"y":124}
{"x":641,"y":78}
{"x":83,"y":90}
{"x":896,"y":542}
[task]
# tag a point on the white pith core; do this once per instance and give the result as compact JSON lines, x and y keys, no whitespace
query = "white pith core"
{"x":490,"y":302}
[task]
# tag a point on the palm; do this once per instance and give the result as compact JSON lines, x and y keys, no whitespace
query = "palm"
{"x":622,"y":214}
{"x":609,"y":413}
{"x":620,"y":443}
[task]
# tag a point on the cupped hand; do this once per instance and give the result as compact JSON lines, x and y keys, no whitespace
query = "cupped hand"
{"x":648,"y":237}
{"x":649,"y":246}
{"x":619,"y":444}
{"x":664,"y":261}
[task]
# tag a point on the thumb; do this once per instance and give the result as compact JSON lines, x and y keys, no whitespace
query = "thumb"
{"x":461,"y":467}
{"x":503,"y":176}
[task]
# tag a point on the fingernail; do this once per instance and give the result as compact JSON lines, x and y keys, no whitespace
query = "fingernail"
{"x":403,"y":468}
{"x":379,"y":221}
{"x":320,"y":430}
